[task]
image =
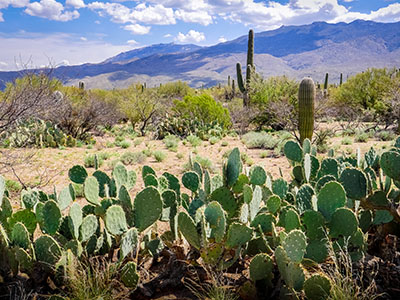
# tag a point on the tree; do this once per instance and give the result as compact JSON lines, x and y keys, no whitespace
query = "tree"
{"x":139,"y":106}
{"x":32,"y":95}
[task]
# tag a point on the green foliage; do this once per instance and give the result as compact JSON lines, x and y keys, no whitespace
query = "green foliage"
{"x":133,"y":158}
{"x":159,"y":155}
{"x":204,"y":109}
{"x":366,"y":90}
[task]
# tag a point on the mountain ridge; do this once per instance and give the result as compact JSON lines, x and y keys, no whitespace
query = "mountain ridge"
{"x":295,"y":51}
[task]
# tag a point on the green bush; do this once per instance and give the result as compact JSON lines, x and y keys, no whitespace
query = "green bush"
{"x":195,"y":141}
{"x":101,"y":157}
{"x":213,"y":140}
{"x":159,"y":155}
{"x":347,"y":141}
{"x":202,"y":108}
{"x":171,"y":142}
{"x":361,"y":137}
{"x":13,"y":186}
{"x":261,"y":140}
{"x":366,"y":91}
{"x":124,"y":144}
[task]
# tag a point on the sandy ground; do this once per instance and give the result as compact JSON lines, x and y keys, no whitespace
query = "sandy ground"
{"x":49,"y":167}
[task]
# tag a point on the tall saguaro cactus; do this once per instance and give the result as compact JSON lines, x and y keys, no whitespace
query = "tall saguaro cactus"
{"x":244,"y":85}
{"x":326,"y":81}
{"x":306,"y":108}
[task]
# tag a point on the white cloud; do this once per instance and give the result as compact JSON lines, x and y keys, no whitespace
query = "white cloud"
{"x":75,"y":3}
{"x":148,"y":14}
{"x":59,"y":48}
{"x":15,"y":3}
{"x":50,"y":9}
{"x":1,"y":17}
{"x":200,"y":17}
{"x":192,"y":36}
{"x":168,"y":35}
{"x":82,"y":38}
{"x":222,"y":39}
{"x":137,"y":29}
{"x":132,"y":42}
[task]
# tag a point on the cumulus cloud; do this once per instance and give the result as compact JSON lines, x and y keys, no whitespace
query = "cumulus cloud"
{"x":222,"y":39}
{"x":132,"y":42}
{"x":137,"y":29}
{"x":142,"y":13}
{"x":75,"y":3}
{"x":59,"y":48}
{"x":200,"y":17}
{"x":168,"y":35}
{"x":14,"y":3}
{"x":52,"y":10}
{"x":1,"y":17}
{"x":192,"y":36}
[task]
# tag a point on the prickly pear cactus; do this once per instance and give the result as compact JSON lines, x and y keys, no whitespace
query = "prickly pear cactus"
{"x":317,"y":287}
{"x":77,"y":174}
{"x":147,"y":208}
{"x":115,"y":220}
{"x":188,"y":229}
{"x":261,"y":267}
{"x":295,"y":245}
{"x":191,"y":181}
{"x":129,"y":275}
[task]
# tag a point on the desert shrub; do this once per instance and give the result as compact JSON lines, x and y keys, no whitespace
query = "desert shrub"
{"x":224,"y":143}
{"x":131,"y":158}
{"x":81,"y":112}
{"x":347,"y":141}
{"x":139,"y":106}
{"x":148,"y":152}
{"x":202,"y":108}
{"x":159,"y":155}
{"x":262,"y":140}
{"x":124,"y":144}
{"x":274,"y":101}
{"x":385,"y":135}
{"x":195,"y":141}
{"x":173,"y":90}
{"x":30,"y":96}
{"x":264,"y":154}
{"x":361,"y":136}
{"x":321,"y":139}
{"x":213,"y":140}
{"x":367,"y":92}
{"x":204,"y":162}
{"x":13,"y":186}
{"x":171,"y":142}
{"x":89,"y":160}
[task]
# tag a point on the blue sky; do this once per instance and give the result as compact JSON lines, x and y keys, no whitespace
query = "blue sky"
{"x":57,"y":32}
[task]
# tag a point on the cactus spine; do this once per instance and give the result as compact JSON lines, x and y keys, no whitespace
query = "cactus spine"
{"x":244,"y":86}
{"x":306,"y":108}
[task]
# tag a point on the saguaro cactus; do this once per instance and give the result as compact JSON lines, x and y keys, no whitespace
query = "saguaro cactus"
{"x":326,"y":81}
{"x":306,"y":108}
{"x":341,"y":79}
{"x":244,"y":86}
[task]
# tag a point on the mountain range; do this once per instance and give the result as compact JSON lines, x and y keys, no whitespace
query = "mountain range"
{"x":295,"y":51}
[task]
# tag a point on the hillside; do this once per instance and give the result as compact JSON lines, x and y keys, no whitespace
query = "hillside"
{"x":295,"y":51}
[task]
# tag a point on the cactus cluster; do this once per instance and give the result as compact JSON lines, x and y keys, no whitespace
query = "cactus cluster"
{"x":37,"y":133}
{"x":280,"y":226}
{"x":184,"y":127}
